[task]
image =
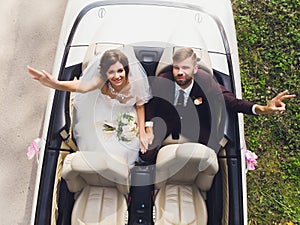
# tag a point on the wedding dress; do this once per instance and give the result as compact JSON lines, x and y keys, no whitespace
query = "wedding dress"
{"x":93,"y":110}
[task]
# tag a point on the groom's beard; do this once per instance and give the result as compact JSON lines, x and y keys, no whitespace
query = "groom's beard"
{"x":184,"y":83}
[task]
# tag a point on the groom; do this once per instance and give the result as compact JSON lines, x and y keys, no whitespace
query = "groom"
{"x":189,"y":106}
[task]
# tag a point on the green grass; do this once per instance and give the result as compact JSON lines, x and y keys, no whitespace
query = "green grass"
{"x":268,"y":35}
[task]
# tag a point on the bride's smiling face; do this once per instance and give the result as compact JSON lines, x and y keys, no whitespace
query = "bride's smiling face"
{"x":116,"y":75}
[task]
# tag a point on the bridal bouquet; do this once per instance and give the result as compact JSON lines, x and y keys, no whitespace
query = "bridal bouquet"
{"x":126,"y":127}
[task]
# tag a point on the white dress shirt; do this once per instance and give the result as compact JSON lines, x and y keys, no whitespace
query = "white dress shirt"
{"x":186,"y":91}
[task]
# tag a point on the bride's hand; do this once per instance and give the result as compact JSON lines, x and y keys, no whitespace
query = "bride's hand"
{"x":146,"y":139}
{"x":43,"y":77}
{"x":144,"y":142}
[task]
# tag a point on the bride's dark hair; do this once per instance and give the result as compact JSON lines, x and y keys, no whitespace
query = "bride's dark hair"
{"x":110,"y":57}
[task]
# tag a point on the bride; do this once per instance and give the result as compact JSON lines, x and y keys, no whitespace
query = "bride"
{"x":109,"y":112}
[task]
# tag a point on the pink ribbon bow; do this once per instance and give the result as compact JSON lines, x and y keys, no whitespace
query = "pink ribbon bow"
{"x":34,"y":149}
{"x":251,"y":160}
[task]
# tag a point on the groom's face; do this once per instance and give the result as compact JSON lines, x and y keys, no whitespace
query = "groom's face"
{"x":184,"y":71}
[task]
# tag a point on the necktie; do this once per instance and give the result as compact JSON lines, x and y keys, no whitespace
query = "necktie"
{"x":180,"y":101}
{"x":179,"y":108}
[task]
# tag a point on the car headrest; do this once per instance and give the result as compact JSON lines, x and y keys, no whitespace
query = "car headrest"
{"x":94,"y":168}
{"x":166,"y":59}
{"x":96,"y":49}
{"x":188,"y":163}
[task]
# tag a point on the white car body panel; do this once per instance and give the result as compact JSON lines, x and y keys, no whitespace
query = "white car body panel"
{"x":157,"y":15}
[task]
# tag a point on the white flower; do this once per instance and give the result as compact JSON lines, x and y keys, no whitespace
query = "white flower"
{"x":198,"y":101}
{"x":124,"y":120}
{"x":126,"y":127}
{"x":128,"y":132}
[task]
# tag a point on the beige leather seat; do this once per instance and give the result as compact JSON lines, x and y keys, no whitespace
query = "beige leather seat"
{"x":184,"y":172}
{"x":218,"y":110}
{"x":101,"y":188}
{"x":166,"y":59}
{"x":95,"y":49}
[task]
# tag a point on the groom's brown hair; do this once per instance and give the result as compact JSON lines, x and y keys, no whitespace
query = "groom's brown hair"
{"x":184,"y":53}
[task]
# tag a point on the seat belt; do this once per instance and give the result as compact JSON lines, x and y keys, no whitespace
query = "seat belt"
{"x":67,"y":136}
{"x":223,"y":142}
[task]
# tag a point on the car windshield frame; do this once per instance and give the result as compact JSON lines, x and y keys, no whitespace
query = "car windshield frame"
{"x":102,"y":9}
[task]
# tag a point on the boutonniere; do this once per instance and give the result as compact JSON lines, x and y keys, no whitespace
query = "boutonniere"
{"x":198,"y":101}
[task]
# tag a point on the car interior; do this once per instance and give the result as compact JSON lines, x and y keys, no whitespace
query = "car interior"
{"x":189,"y":184}
{"x":100,"y":200}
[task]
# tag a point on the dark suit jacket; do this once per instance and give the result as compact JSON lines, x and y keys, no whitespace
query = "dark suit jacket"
{"x":200,"y":120}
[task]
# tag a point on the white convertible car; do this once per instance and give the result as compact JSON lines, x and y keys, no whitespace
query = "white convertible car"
{"x":209,"y":186}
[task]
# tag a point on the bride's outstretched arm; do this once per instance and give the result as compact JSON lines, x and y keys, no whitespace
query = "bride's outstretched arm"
{"x":145,"y":138}
{"x":48,"y":80}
